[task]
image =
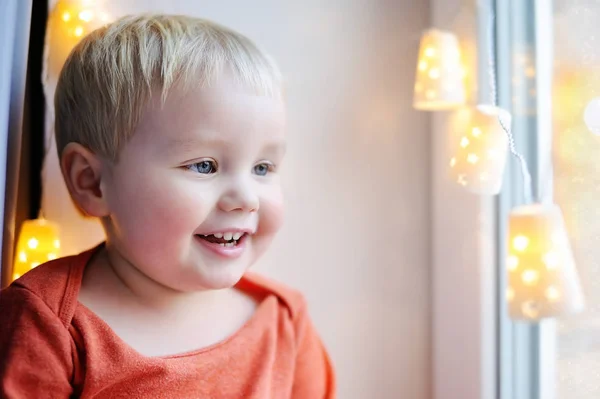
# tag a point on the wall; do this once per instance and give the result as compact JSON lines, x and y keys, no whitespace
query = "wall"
{"x":463,"y":266}
{"x":357,"y":235}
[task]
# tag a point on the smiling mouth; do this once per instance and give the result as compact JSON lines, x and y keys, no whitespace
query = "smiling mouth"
{"x":227,"y":240}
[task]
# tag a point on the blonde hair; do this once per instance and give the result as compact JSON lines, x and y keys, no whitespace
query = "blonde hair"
{"x":110,"y":76}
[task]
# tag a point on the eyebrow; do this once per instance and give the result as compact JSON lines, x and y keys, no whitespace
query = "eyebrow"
{"x":192,"y":144}
{"x":189,"y":143}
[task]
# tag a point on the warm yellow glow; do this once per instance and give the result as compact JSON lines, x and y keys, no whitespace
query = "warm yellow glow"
{"x":485,"y":136}
{"x":453,"y":162}
{"x":68,"y":22}
{"x":86,"y":15}
{"x":520,"y":243}
{"x":434,"y":73}
{"x":530,"y":277}
{"x":472,"y":158}
{"x":542,"y":271}
{"x":33,"y":243}
{"x":438,"y":73}
{"x":512,"y":262}
{"x":552,"y":294}
{"x":462,"y":180}
{"x":510,"y":294}
{"x":530,"y":310}
{"x":37,"y":243}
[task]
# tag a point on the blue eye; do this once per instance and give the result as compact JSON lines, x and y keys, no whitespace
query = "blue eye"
{"x":263,"y":168}
{"x":203,"y":167}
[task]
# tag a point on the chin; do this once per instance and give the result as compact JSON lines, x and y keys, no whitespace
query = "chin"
{"x":222,"y":278}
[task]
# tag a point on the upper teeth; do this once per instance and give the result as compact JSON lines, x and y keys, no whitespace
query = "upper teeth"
{"x":229,"y":236}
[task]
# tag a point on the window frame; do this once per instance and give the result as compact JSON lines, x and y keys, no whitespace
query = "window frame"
{"x":527,"y":351}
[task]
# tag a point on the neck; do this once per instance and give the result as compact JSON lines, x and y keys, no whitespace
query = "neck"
{"x":149,"y":293}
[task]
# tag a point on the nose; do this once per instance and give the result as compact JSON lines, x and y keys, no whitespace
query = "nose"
{"x":239,"y":196}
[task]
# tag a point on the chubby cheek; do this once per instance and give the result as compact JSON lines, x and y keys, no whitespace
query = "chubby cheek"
{"x":270,"y":221}
{"x":150,"y":211}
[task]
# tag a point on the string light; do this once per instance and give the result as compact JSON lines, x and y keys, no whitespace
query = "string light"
{"x":68,"y":23}
{"x":38,"y":243}
{"x":543,"y":280}
{"x":440,"y":76}
{"x":479,"y":159}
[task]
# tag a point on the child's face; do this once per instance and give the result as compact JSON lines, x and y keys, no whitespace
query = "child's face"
{"x":205,"y":163}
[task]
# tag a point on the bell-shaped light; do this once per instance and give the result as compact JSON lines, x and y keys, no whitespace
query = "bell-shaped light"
{"x":440,"y":82}
{"x":543,"y":281}
{"x":68,"y":23}
{"x":479,"y":155}
{"x":592,"y":116}
{"x":38,"y":242}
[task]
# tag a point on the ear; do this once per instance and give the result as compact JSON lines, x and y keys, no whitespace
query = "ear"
{"x":82,"y":171}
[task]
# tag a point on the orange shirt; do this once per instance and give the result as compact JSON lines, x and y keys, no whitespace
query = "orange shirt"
{"x":52,"y":346}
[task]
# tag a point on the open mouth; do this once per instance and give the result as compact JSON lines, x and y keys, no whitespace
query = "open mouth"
{"x":227,"y":240}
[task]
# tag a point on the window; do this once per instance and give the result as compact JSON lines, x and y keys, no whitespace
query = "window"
{"x":576,"y":81}
{"x":548,"y":70}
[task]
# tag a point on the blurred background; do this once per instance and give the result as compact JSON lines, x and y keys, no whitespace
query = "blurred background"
{"x":403,"y":269}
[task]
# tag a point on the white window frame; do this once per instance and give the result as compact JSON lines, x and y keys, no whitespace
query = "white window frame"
{"x":527,"y":351}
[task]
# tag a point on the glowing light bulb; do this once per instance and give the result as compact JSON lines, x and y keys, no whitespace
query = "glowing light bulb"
{"x":33,"y":243}
{"x":551,"y":260}
{"x":439,"y":59}
{"x":86,"y":15}
{"x":430,"y":52}
{"x":512,"y":262}
{"x":530,"y":277}
{"x":520,"y":243}
{"x":434,"y":73}
{"x":472,"y":158}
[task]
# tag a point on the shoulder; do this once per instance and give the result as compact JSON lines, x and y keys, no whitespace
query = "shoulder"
{"x":55,"y":283}
{"x":291,"y":299}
